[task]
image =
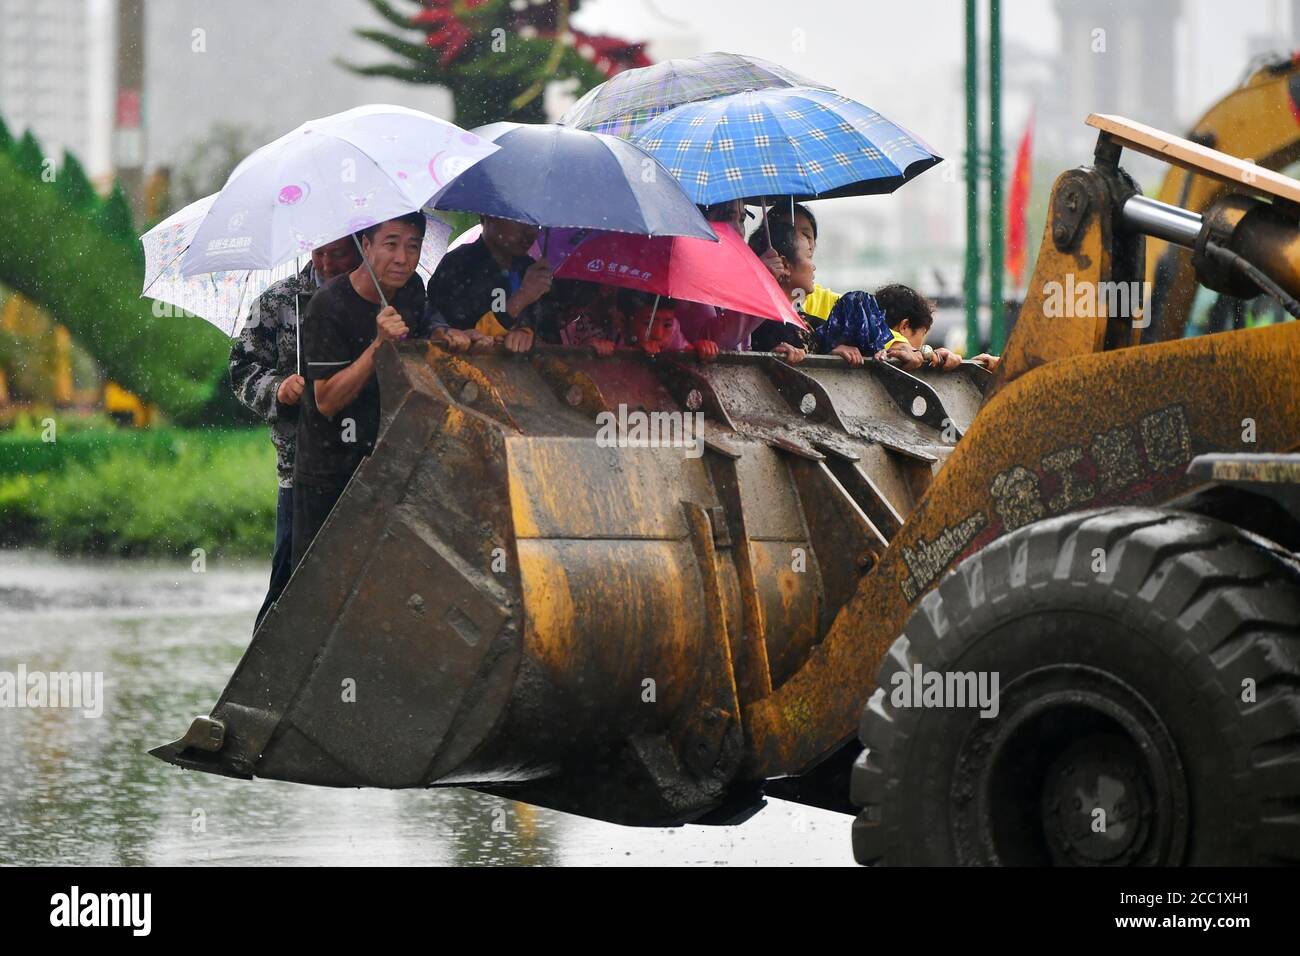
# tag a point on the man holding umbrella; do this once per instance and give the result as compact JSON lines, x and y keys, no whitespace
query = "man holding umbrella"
{"x":349,"y":319}
{"x":363,"y":169}
{"x":263,"y":373}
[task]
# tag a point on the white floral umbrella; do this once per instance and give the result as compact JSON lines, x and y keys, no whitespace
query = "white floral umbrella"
{"x":225,"y":299}
{"x":328,"y":178}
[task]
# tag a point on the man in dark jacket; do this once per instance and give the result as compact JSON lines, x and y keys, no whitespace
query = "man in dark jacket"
{"x":493,"y":287}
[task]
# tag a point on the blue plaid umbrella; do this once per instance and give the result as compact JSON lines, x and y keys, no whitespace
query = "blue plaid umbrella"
{"x":805,"y":143}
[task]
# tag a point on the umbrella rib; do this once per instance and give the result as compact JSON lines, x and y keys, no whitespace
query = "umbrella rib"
{"x":636,"y":198}
{"x":400,"y":188}
{"x":554,"y":146}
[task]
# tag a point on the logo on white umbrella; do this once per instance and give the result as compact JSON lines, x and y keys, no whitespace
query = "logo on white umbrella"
{"x":223,"y":247}
{"x":293,"y":194}
{"x":361,"y":202}
{"x":452,"y":167}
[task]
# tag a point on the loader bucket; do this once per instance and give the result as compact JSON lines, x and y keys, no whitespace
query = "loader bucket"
{"x":522,"y":593}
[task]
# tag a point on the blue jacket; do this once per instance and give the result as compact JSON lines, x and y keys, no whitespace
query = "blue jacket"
{"x":857,"y":320}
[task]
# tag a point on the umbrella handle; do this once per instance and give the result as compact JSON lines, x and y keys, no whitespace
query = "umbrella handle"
{"x":767,"y":230}
{"x":297,"y":332}
{"x":383,"y":302}
{"x":651,"y":324}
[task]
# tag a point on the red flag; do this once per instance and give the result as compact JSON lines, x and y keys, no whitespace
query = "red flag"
{"x":1017,"y":204}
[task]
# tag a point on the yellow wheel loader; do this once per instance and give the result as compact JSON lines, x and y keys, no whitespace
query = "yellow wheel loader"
{"x":1047,"y":615}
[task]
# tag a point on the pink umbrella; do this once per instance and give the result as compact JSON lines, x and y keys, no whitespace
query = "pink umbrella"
{"x":725,"y":273}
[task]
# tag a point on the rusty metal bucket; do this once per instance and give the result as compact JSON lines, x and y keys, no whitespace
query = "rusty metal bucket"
{"x":511,"y":595}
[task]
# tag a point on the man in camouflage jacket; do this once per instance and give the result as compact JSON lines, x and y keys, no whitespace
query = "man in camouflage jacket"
{"x":264,"y":373}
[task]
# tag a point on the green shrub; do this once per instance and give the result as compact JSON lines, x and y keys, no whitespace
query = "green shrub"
{"x":161,"y":492}
{"x":25,"y":453}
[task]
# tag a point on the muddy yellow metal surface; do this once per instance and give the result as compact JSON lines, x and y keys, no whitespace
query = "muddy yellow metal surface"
{"x":512,"y":595}
{"x":521,"y":592}
{"x":1114,"y":427}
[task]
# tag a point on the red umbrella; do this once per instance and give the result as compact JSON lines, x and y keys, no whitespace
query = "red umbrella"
{"x":725,"y":273}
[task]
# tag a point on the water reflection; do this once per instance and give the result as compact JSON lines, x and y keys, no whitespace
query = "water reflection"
{"x":75,"y":790}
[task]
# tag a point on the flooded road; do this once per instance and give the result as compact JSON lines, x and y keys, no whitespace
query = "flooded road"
{"x":83,"y":790}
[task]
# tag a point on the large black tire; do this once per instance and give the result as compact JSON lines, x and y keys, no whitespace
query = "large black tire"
{"x":1149,"y":713}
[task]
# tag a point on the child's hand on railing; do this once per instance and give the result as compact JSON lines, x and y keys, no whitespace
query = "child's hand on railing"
{"x":453,"y":340}
{"x":851,"y":355}
{"x":791,"y":353}
{"x":706,"y":350}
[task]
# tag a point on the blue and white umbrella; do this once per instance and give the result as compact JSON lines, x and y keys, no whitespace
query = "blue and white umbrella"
{"x":799,"y":142}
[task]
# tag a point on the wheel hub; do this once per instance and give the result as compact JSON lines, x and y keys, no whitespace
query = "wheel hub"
{"x":1076,"y":769}
{"x":1096,"y":805}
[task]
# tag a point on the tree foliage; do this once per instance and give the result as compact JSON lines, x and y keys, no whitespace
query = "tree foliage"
{"x":79,"y":257}
{"x":496,"y":60}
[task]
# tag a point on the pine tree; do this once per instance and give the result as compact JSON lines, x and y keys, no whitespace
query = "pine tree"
{"x":74,"y":186}
{"x":117,"y":222}
{"x":28,"y":156}
{"x":81,"y":260}
{"x":85,"y":269}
